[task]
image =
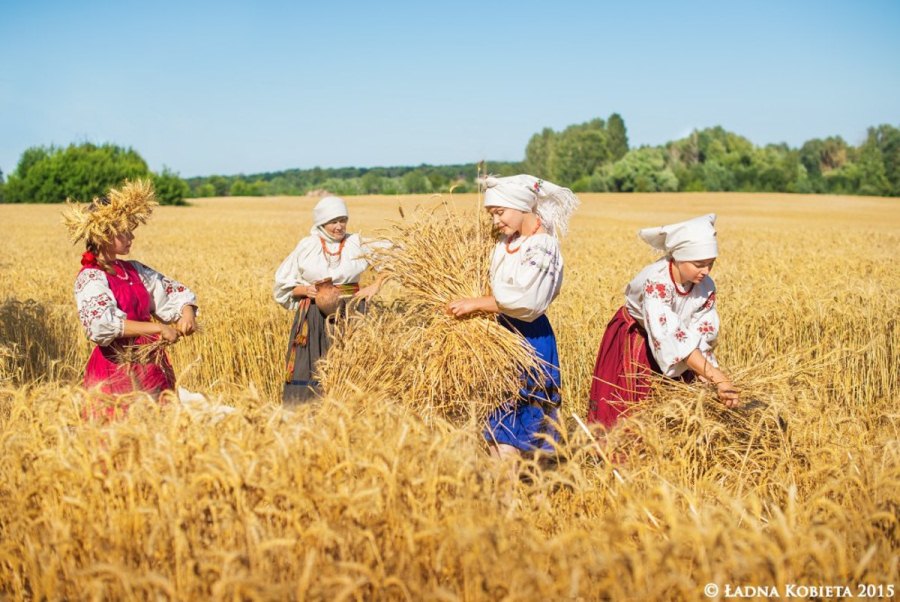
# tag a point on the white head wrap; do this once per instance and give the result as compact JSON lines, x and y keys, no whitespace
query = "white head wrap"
{"x":553,"y":204}
{"x":691,"y":240}
{"x":328,"y":209}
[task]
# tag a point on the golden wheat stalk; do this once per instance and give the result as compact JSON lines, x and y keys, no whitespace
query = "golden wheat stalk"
{"x":413,"y":352}
{"x":152,"y":352}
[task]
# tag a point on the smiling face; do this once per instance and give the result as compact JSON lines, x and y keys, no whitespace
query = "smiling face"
{"x":694,"y":271}
{"x":507,"y":221}
{"x":336,"y":228}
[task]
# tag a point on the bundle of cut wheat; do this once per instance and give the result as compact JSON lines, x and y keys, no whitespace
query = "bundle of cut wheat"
{"x":413,"y":351}
{"x":687,"y":422}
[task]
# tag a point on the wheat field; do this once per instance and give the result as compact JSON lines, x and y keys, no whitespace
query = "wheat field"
{"x":359,"y":498}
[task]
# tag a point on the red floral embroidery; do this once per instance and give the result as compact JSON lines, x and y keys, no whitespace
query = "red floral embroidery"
{"x":85,"y":277}
{"x":94,"y":309}
{"x":656,"y":289}
{"x":710,"y":301}
{"x":706,"y":327}
{"x":677,"y":360}
{"x":681,"y":335}
{"x":662,"y":320}
{"x":656,"y":345}
{"x":171,"y":286}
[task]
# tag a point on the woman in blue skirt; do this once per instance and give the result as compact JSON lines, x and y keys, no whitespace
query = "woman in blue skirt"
{"x":526,"y":276}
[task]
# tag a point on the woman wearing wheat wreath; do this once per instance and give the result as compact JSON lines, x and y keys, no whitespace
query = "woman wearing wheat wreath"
{"x":118,"y":300}
{"x":314,"y":281}
{"x":526,"y":276}
{"x":669,"y":324}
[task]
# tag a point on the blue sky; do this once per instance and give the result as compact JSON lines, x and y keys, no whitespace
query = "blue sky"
{"x":230,"y":87}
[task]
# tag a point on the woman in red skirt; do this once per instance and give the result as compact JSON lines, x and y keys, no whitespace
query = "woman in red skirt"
{"x":668,"y":325}
{"x":125,"y":304}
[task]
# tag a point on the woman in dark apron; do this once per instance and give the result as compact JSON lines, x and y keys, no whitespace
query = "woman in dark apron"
{"x":314,"y":281}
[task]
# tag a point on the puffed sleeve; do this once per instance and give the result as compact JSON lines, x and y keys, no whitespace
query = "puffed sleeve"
{"x":101,"y":318}
{"x":289,"y":274}
{"x":671,"y":341}
{"x":374,"y":246}
{"x":526,"y":293}
{"x":705,"y":322}
{"x":168,"y":297}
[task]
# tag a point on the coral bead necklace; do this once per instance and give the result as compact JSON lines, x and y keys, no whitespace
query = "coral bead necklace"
{"x":675,"y":284}
{"x":332,"y":257}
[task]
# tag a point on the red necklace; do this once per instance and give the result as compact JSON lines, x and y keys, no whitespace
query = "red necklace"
{"x":675,"y":284}
{"x":335,"y":253}
{"x":516,"y":236}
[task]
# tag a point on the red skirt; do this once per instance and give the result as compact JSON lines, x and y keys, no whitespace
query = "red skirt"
{"x":107,"y":372}
{"x":622,"y":371}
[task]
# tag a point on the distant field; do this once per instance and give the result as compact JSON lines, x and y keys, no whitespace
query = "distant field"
{"x":357,"y":500}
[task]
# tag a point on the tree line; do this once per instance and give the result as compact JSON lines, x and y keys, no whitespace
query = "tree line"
{"x":595,"y":157}
{"x":347,"y":180}
{"x":588,"y":157}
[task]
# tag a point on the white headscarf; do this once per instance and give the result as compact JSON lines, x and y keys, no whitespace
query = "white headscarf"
{"x":327,"y":209}
{"x":690,"y":240}
{"x":553,"y":204}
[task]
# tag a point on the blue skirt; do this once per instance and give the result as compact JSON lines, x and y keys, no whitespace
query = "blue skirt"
{"x":526,"y":421}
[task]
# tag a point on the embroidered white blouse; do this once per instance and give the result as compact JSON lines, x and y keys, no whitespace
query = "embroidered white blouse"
{"x":676,"y":324}
{"x":524,"y":283}
{"x":308,"y":264}
{"x":101,"y":318}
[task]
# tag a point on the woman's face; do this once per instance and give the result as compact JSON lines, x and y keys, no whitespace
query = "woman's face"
{"x":121,"y":244}
{"x":694,"y":271}
{"x":506,"y":221}
{"x":336,"y":228}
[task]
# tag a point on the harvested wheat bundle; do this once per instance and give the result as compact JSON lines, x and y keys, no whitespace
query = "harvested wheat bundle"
{"x":413,"y":351}
{"x":752,"y":443}
{"x":143,"y":353}
{"x":151,"y":352}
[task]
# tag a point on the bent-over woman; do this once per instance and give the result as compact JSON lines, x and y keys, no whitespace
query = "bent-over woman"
{"x":669,"y":324}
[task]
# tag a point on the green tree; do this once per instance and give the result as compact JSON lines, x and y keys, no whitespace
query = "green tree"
{"x":415,"y":182}
{"x":80,"y":172}
{"x":239,"y":188}
{"x":538,"y":153}
{"x":578,"y":152}
{"x":170,"y":189}
{"x":822,"y":156}
{"x":439,"y":182}
{"x":872,"y":173}
{"x":391,"y":186}
{"x":716,"y":177}
{"x":371,"y":183}
{"x":641,"y":170}
{"x":31,"y":157}
{"x":205,"y":190}
{"x":221,"y":184}
{"x":887,"y":139}
{"x":617,"y":137}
